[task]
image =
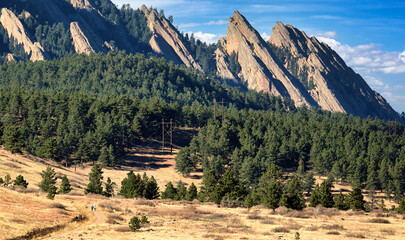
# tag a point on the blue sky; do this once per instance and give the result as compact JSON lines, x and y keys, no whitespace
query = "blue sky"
{"x":368,"y":35}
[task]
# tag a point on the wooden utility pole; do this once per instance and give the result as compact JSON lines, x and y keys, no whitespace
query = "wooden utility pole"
{"x":167,"y":132}
{"x":222,"y":109}
{"x":163,"y":134}
{"x":215,"y":109}
{"x":171,"y":135}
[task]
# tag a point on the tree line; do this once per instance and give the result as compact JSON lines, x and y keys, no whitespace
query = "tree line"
{"x":365,"y":152}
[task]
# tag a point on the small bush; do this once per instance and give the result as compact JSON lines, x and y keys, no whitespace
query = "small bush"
{"x":379,"y":220}
{"x":114,"y":219}
{"x":333,"y":227}
{"x":387,"y":231}
{"x":312,"y":228}
{"x":267,"y":221}
{"x":122,"y":229}
{"x":281,"y":230}
{"x":135,"y":223}
{"x":57,"y":205}
{"x":17,"y":220}
{"x":355,"y":235}
{"x":333,"y":233}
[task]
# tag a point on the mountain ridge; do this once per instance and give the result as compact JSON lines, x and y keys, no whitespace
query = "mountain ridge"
{"x":290,"y":64}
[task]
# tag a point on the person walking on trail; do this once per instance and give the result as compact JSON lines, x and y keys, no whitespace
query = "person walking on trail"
{"x":92,"y":207}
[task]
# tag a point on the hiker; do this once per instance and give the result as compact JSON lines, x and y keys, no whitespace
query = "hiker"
{"x":92,"y":207}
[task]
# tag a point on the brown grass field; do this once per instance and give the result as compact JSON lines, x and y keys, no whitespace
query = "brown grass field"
{"x":28,"y":210}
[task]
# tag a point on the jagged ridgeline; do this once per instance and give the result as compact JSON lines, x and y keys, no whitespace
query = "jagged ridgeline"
{"x":290,"y":64}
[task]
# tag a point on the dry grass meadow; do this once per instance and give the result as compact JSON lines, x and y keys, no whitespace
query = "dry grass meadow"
{"x":28,"y":211}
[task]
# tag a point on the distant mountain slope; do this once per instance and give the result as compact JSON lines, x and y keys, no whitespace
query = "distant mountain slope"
{"x":290,"y":64}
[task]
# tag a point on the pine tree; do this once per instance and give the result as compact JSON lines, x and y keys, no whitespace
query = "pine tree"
{"x":151,"y":190}
{"x":230,"y":185}
{"x":48,"y":182}
{"x":356,"y":199}
{"x":309,"y":182}
{"x":315,"y":198}
{"x":7,"y":179}
{"x":12,"y":138}
{"x":65,"y":185}
{"x":326,"y":195}
{"x":20,"y":181}
{"x":134,"y":224}
{"x":273,"y":173}
{"x":1,"y":180}
{"x":191,"y":192}
{"x":401,"y":207}
{"x":272,"y":195}
{"x":341,"y":202}
{"x":292,"y":195}
{"x":109,"y":188}
{"x":170,"y":191}
{"x":184,"y":162}
{"x":95,"y":177}
{"x":181,"y":191}
{"x":210,"y":188}
{"x":132,"y":186}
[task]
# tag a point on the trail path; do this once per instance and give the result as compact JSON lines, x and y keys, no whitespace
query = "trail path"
{"x":78,"y":232}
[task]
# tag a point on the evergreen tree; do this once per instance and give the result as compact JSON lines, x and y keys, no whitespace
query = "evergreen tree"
{"x":20,"y":181}
{"x":132,"y":186}
{"x":309,"y":182}
{"x":65,"y":185}
{"x":12,"y":138}
{"x":210,"y":188}
{"x":356,"y":199}
{"x":1,"y":180}
{"x":95,"y":177}
{"x":191,"y":193}
{"x":401,"y":207}
{"x":48,"y":182}
{"x":273,"y":173}
{"x":109,"y":188}
{"x":170,"y":191}
{"x":231,"y":186}
{"x":292,"y":195}
{"x":151,"y":190}
{"x":134,"y":224}
{"x":184,"y":162}
{"x":272,"y":195}
{"x":326,"y":195}
{"x":315,"y":198}
{"x":341,"y":202}
{"x":7,"y":179}
{"x":181,"y":191}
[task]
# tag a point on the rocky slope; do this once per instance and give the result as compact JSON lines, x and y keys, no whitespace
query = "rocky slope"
{"x":16,"y":30}
{"x":331,"y":83}
{"x":290,"y":64}
{"x":166,"y":40}
{"x":259,"y":70}
{"x":295,"y":66}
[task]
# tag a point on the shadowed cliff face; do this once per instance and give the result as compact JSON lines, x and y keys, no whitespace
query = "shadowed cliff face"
{"x":16,"y":30}
{"x":332,"y":84}
{"x":166,"y":40}
{"x":259,"y":69}
{"x":290,"y":64}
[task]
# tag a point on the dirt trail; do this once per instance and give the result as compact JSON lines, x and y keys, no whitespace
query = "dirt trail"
{"x":73,"y":232}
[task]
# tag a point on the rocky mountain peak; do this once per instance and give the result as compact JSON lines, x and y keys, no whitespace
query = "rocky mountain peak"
{"x":259,"y":69}
{"x":81,"y":4}
{"x":16,"y":30}
{"x":166,"y":39}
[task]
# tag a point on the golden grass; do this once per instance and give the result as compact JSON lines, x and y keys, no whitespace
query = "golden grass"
{"x":21,"y":212}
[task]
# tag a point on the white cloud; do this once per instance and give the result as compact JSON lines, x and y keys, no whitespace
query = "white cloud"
{"x":265,"y":36}
{"x":368,"y":58}
{"x":219,"y":22}
{"x":402,"y":56}
{"x":326,"y":17}
{"x":206,"y":37}
{"x":330,"y":34}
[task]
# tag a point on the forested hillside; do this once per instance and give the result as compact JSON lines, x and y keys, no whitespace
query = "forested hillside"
{"x":367,"y":153}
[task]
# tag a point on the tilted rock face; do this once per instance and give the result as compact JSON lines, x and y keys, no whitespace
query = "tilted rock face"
{"x":81,"y":4}
{"x":16,"y":30}
{"x":336,"y":87}
{"x":80,"y":41}
{"x":166,"y":40}
{"x":10,"y":58}
{"x":259,"y":69}
{"x":222,"y":59}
